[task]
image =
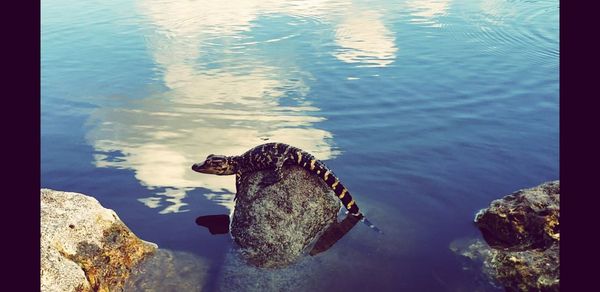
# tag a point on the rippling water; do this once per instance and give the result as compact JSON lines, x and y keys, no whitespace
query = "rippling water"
{"x":426,"y":109}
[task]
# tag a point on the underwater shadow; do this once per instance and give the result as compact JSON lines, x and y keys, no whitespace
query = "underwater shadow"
{"x":216,"y":224}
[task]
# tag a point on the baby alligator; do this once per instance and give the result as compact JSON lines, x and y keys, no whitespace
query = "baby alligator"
{"x":273,"y":156}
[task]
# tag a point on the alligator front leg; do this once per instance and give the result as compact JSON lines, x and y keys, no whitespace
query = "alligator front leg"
{"x":276,"y":174}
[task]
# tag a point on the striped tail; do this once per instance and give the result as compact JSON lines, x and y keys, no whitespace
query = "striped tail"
{"x":317,"y":167}
{"x":371,"y":225}
{"x":310,"y":163}
{"x":368,"y":223}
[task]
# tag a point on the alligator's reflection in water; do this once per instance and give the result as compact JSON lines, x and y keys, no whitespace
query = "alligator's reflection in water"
{"x":333,"y":233}
{"x":219,"y":224}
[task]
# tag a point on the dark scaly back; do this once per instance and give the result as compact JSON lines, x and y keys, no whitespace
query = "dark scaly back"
{"x":260,"y":157}
{"x":310,"y":163}
{"x":266,"y":155}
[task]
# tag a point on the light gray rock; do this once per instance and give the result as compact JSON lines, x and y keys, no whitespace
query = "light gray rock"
{"x":84,"y":246}
{"x":273,"y":225}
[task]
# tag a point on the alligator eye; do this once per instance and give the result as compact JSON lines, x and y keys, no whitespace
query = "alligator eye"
{"x":220,"y":158}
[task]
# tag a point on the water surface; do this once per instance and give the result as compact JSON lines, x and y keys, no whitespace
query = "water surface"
{"x":426,"y":110}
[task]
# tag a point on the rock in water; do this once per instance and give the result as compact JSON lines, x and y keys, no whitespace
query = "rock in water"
{"x":522,"y":230}
{"x":274,"y":224}
{"x":523,"y":220}
{"x":84,"y":246}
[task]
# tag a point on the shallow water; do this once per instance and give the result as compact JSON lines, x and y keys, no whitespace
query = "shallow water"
{"x":426,"y":110}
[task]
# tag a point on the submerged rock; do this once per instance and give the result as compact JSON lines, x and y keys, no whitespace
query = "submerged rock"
{"x":273,"y":225}
{"x":84,"y":246}
{"x":168,"y":270}
{"x":528,"y":270}
{"x":523,"y":240}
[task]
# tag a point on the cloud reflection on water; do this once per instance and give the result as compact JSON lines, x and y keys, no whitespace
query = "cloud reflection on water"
{"x":363,"y":38}
{"x":162,"y":136}
{"x":427,"y":12}
{"x":225,"y":109}
{"x":203,"y":111}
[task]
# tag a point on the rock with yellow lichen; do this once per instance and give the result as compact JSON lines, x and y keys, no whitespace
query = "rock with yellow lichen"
{"x":527,"y":270}
{"x":84,"y":246}
{"x":525,"y":219}
{"x":523,"y":239}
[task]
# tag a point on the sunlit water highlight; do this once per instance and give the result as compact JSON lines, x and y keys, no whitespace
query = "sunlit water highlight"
{"x":427,"y":110}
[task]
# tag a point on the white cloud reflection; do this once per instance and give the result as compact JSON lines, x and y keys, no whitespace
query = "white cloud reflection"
{"x":164,"y":135}
{"x":363,"y":38}
{"x":225,"y":110}
{"x":427,"y":12}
